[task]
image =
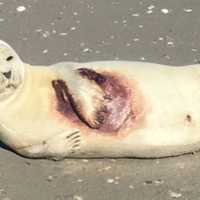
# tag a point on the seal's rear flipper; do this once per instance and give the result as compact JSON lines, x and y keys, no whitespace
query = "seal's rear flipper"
{"x":86,"y":98}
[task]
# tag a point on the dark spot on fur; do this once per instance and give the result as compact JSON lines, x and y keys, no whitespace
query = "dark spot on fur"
{"x":92,"y":75}
{"x":9,"y":58}
{"x":44,"y":142}
{"x":188,"y":118}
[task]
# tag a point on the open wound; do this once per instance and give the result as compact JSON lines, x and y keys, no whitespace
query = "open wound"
{"x":115,"y":109}
{"x":117,"y":105}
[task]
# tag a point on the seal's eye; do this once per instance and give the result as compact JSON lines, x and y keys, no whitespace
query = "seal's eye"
{"x":7,"y":74}
{"x":9,"y":58}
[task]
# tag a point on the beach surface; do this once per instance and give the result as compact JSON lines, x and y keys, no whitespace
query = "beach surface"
{"x":46,"y":32}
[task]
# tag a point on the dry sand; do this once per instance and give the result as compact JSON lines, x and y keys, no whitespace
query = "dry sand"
{"x":48,"y":31}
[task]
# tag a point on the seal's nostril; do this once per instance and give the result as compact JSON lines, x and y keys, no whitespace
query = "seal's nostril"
{"x":7,"y":74}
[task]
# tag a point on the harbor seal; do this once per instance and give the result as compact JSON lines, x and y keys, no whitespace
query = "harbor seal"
{"x":98,"y":109}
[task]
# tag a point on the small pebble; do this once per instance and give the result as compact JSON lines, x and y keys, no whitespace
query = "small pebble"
{"x":21,"y":8}
{"x":151,"y":7}
{"x":158,"y":182}
{"x":65,"y":54}
{"x":45,"y":51}
{"x":110,"y":180}
{"x":85,"y":160}
{"x":62,"y":34}
{"x":136,"y":39}
{"x":54,"y":31}
{"x":175,"y":194}
{"x":73,"y":28}
{"x":104,"y":168}
{"x":160,"y":38}
{"x":170,"y":43}
{"x":38,"y":30}
{"x":76,"y":197}
{"x":86,"y":50}
{"x":46,"y":34}
{"x":165,"y":11}
{"x":149,"y":11}
{"x":131,"y":186}
{"x":194,"y":50}
{"x":187,"y":10}
{"x":142,"y":58}
{"x":50,"y":178}
{"x":135,"y":14}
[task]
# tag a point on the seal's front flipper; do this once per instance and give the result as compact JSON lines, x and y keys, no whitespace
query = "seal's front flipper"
{"x":64,"y":144}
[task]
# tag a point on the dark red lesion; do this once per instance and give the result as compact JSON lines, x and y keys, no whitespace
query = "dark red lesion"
{"x":113,"y":112}
{"x":64,"y":105}
{"x":188,"y":118}
{"x":117,"y":107}
{"x":92,"y":75}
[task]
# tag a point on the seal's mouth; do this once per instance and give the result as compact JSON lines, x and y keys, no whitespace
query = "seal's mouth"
{"x":10,"y":85}
{"x":6,"y":81}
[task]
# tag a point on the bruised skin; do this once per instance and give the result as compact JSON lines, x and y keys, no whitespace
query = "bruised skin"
{"x":117,"y":105}
{"x":116,"y":109}
{"x":64,"y":105}
{"x":113,"y":111}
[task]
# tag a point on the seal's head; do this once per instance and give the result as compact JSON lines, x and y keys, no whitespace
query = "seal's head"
{"x":11,"y":68}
